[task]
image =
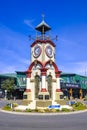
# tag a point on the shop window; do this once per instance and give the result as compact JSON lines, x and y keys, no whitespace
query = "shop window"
{"x":68,"y":79}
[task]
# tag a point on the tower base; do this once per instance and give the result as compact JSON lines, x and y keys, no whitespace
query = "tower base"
{"x":27,"y":96}
{"x":43,"y":96}
{"x":59,"y":96}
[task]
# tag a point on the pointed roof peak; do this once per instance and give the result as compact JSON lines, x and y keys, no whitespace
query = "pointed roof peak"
{"x":43,"y":25}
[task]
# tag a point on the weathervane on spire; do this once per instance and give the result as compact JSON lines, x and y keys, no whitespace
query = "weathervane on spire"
{"x":43,"y":17}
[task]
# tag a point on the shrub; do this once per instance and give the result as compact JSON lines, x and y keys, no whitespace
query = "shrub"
{"x":28,"y":110}
{"x":79,"y":106}
{"x":7,"y":108}
{"x":53,"y":110}
{"x":14,"y":104}
{"x":57,"y":110}
{"x":41,"y":110}
{"x":47,"y":110}
{"x":19,"y":110}
{"x":36,"y":110}
{"x":65,"y":110}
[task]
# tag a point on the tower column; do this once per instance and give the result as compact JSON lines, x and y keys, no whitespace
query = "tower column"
{"x":43,"y":74}
{"x":28,"y":94}
{"x":44,"y":94}
{"x":58,"y":93}
{"x":28,"y":88}
{"x":58,"y":89}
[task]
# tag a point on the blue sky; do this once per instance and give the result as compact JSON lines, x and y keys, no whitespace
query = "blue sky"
{"x":68,"y":20}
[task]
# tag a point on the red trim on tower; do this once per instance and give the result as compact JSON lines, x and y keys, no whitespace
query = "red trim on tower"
{"x":53,"y":63}
{"x":43,"y":42}
{"x":33,"y":63}
{"x":58,"y":74}
{"x":28,"y":90}
{"x":43,"y":90}
{"x":43,"y":71}
{"x":28,"y":73}
{"x":57,"y":71}
{"x":58,"y":90}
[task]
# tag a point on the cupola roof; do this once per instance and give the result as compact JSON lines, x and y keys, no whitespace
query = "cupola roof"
{"x":43,"y":27}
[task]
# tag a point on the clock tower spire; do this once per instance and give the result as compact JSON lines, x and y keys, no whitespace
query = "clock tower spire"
{"x":43,"y":27}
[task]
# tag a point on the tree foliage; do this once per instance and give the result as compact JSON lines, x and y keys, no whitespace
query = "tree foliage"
{"x":8,"y":85}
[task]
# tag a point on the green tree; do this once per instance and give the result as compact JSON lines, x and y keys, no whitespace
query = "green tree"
{"x":8,"y":85}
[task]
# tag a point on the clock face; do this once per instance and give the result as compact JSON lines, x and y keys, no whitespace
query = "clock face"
{"x":49,"y":51}
{"x":37,"y":51}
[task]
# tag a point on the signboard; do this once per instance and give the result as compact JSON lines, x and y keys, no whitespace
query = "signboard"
{"x":70,"y":85}
{"x":54,"y":106}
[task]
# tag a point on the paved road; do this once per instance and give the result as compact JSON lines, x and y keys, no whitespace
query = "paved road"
{"x":4,"y":102}
{"x":45,"y":122}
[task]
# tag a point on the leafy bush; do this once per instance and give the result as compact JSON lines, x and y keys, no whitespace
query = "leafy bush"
{"x":28,"y":110}
{"x":19,"y":111}
{"x":53,"y":110}
{"x":57,"y":110}
{"x":41,"y":110}
{"x":79,"y":106}
{"x":36,"y":110}
{"x":65,"y":110}
{"x":14,"y":104}
{"x":7,"y":108}
{"x":47,"y":110}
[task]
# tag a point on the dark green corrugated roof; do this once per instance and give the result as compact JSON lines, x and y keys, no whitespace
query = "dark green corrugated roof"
{"x":14,"y":74}
{"x":67,"y":73}
{"x":8,"y":75}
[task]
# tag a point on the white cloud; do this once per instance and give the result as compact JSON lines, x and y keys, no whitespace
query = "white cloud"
{"x":29,"y":23}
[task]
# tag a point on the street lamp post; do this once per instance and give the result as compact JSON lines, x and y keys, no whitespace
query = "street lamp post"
{"x":5,"y":94}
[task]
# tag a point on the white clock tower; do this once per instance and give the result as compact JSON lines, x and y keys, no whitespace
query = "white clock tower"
{"x":43,"y":82}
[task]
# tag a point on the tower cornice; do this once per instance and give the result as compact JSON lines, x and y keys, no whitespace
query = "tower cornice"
{"x":43,"y":42}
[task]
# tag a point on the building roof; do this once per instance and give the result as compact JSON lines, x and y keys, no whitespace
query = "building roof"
{"x":42,"y":25}
{"x":8,"y":75}
{"x":43,"y":42}
{"x":68,"y":74}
